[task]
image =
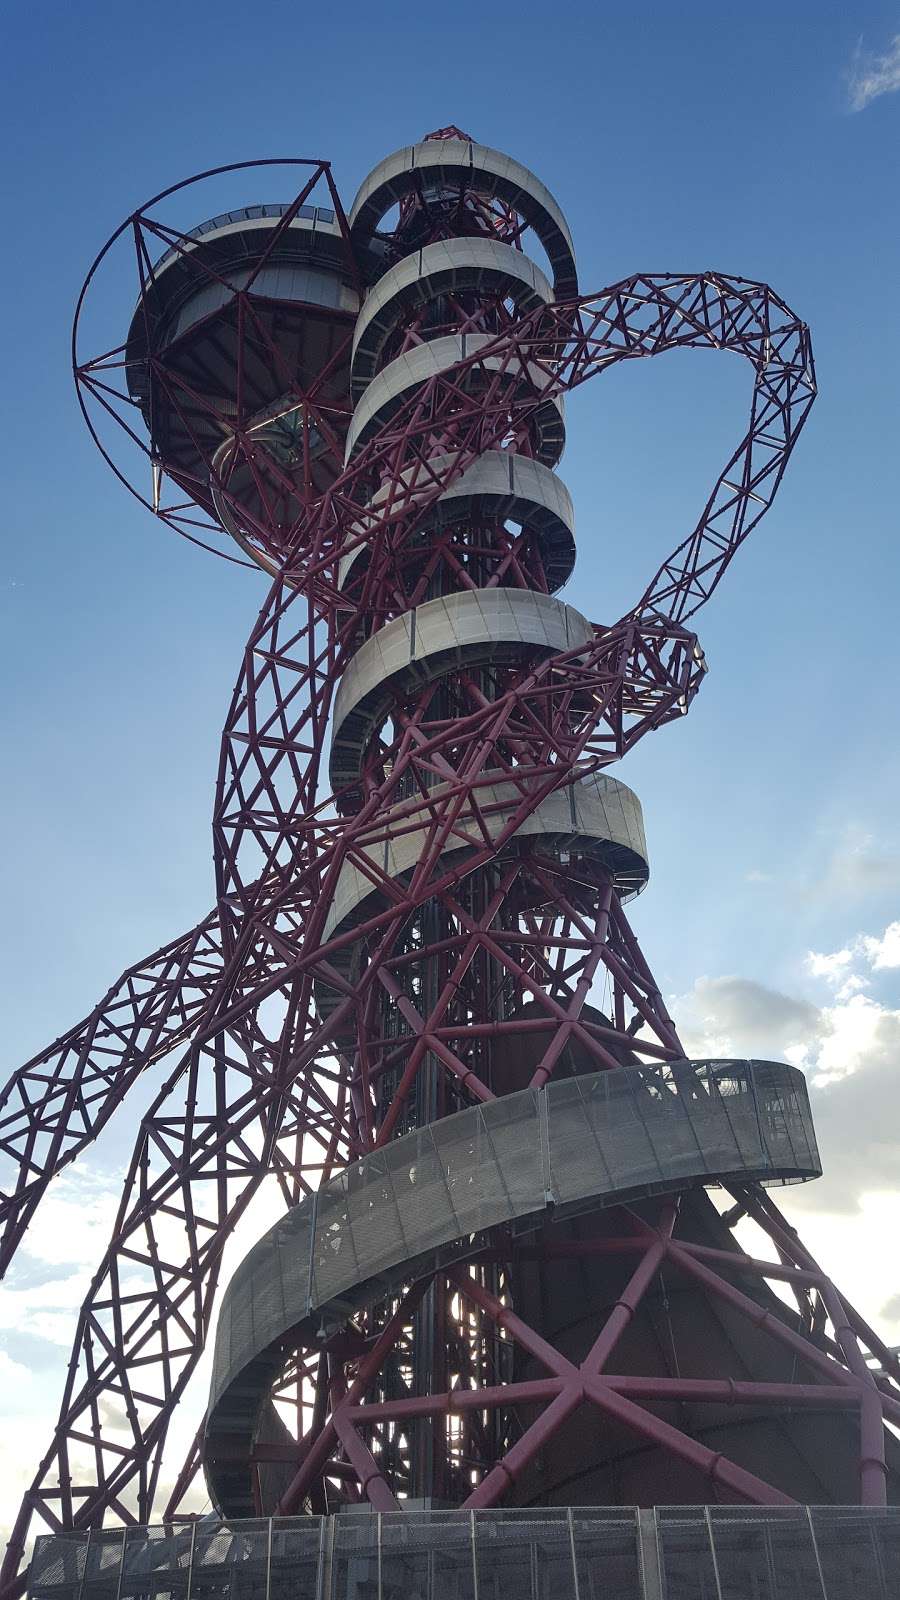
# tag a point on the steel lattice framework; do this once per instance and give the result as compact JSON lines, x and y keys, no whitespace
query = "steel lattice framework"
{"x":408,"y":931}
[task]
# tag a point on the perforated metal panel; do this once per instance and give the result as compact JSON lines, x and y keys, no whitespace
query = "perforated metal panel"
{"x":425,"y":1199}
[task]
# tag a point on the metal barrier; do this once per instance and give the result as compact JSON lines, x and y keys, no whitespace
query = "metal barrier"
{"x":593,"y":1553}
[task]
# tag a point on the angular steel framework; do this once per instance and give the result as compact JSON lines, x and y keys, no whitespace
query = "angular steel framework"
{"x":370,"y":405}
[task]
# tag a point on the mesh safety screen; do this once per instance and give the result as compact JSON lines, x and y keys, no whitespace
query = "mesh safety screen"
{"x":550,"y":1553}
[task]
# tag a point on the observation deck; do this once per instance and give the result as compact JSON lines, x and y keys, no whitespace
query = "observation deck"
{"x":192,"y":368}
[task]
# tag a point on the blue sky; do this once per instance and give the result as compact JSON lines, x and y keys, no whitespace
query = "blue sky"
{"x":762,"y":142}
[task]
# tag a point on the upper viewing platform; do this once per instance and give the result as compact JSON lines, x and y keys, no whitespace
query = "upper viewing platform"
{"x":440,"y":169}
{"x":293,"y":311}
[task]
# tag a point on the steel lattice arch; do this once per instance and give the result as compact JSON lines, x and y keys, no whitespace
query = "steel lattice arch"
{"x":418,"y":1003}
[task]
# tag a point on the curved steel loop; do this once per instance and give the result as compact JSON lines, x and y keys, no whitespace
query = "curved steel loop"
{"x":640,"y":316}
{"x":644,"y":315}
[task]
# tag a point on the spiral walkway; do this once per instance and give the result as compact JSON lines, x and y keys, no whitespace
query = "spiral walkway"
{"x":430,"y":1198}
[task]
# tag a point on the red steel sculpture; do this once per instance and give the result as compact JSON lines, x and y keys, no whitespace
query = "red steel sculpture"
{"x":419,"y":994}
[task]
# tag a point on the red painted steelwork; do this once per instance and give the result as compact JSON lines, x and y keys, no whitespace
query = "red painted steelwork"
{"x":303,"y":1094}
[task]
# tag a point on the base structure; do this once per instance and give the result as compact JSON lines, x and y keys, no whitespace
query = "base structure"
{"x":579,"y":1553}
{"x":580,"y":1348}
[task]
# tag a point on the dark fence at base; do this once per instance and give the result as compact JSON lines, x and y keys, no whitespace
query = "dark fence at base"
{"x":587,"y":1553}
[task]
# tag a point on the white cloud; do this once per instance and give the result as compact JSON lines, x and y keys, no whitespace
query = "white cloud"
{"x":884,"y":952}
{"x":852,"y":984}
{"x":16,"y":1385}
{"x":872,"y":75}
{"x":856,"y":1248}
{"x":736,"y":1016}
{"x":828,"y":966}
{"x":879,"y":954}
{"x":74,"y":1220}
{"x":855,"y":1033}
{"x":69,"y":1230}
{"x":849,"y":1047}
{"x":39,"y":1305}
{"x":46,"y":1311}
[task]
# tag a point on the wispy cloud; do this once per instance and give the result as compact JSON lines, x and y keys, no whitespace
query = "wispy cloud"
{"x":856,"y":868}
{"x":872,"y":75}
{"x":877,"y":953}
{"x":823,"y":965}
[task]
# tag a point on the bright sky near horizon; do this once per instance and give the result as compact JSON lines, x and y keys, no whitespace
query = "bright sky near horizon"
{"x":760,"y":141}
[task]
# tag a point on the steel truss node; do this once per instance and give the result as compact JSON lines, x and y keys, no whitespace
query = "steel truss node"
{"x":447,"y":926}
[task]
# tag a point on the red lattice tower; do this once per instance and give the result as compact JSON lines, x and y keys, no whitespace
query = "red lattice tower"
{"x":419,"y":962}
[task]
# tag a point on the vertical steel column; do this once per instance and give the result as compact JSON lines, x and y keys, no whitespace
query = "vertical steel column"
{"x":649,"y":1554}
{"x":713,"y":1553}
{"x":815,"y":1547}
{"x":576,"y":1586}
{"x":190,"y":1582}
